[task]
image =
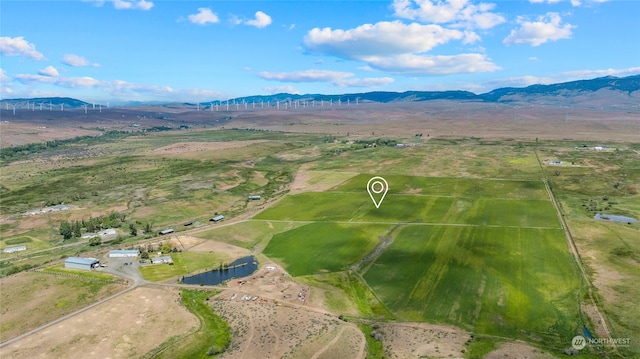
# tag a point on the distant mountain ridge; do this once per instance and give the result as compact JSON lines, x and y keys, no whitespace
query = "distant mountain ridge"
{"x":552,"y":93}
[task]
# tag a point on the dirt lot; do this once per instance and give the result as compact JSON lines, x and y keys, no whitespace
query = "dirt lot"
{"x":126,"y":327}
{"x":191,"y":147}
{"x":266,"y":330}
{"x":418,"y":340}
{"x":518,"y":350}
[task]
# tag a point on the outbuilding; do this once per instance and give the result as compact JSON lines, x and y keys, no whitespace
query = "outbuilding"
{"x":123,"y":253}
{"x":166,"y":231}
{"x":254,"y":197}
{"x":81,"y":263}
{"x":161,"y":259}
{"x":217,"y":218}
{"x":14,"y":249}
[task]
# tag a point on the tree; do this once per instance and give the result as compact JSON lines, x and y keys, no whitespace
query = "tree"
{"x":144,"y":255}
{"x":95,"y":241}
{"x":147,"y":228}
{"x":133,"y":230}
{"x":66,"y":230}
{"x":166,"y":247}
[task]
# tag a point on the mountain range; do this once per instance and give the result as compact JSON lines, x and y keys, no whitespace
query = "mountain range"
{"x":607,"y":90}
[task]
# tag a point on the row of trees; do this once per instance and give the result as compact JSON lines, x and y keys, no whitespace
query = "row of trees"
{"x":74,"y":229}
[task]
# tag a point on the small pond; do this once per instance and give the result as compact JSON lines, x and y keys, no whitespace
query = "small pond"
{"x":615,"y":218}
{"x":237,"y":269}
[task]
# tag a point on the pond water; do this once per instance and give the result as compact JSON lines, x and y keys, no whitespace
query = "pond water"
{"x":237,"y":269}
{"x":615,"y":218}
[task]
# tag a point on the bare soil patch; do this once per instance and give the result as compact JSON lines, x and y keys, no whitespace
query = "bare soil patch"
{"x":266,"y":330}
{"x":518,"y":350}
{"x":203,"y":245}
{"x":419,"y":340}
{"x":191,"y":147}
{"x":127,"y":326}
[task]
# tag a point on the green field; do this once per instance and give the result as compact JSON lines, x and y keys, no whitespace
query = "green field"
{"x":485,"y":255}
{"x":498,"y":281}
{"x":357,"y":207}
{"x":323,"y":247}
{"x":183,"y":263}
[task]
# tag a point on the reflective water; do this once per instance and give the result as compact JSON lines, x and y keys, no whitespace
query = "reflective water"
{"x":238,"y":269}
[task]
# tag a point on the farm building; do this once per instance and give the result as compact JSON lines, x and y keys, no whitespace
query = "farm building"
{"x":254,"y":198}
{"x":161,"y":259}
{"x":123,"y":253}
{"x":14,"y":249}
{"x":107,"y":232}
{"x":166,"y":231}
{"x":217,"y":218}
{"x":89,"y":235}
{"x":81,"y":263}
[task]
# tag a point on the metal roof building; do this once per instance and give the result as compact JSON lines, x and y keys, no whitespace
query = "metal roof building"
{"x":81,"y":263}
{"x":14,"y":249}
{"x":123,"y":253}
{"x":166,"y":231}
{"x":217,"y":218}
{"x":162,"y":259}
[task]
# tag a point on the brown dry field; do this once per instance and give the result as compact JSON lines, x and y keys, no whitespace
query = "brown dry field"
{"x":50,"y":296}
{"x":518,"y":350}
{"x":419,"y":340}
{"x":127,"y":326}
{"x":266,"y":330}
{"x":436,"y":118}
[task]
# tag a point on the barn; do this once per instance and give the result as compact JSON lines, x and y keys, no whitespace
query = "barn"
{"x":81,"y":263}
{"x":123,"y":253}
{"x":166,"y":231}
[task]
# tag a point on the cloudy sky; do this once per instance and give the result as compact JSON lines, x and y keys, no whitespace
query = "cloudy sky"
{"x":156,"y":50}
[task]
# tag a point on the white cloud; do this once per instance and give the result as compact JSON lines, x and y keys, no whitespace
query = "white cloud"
{"x":261,"y":20}
{"x":281,"y":89}
{"x":18,"y":46}
{"x":204,"y":16}
{"x":364,"y":82}
{"x":3,"y":76}
{"x":305,"y":76}
{"x":126,"y":4}
{"x":49,"y":71}
{"x":455,"y":12}
{"x":520,"y":81}
{"x":380,"y":39}
{"x":423,"y":65}
{"x":336,"y":78}
{"x":548,"y":27}
{"x":573,"y":2}
{"x":599,"y":73}
{"x":77,"y":61}
{"x":533,"y":58}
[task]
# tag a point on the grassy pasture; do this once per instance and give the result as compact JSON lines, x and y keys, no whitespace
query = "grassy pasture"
{"x":357,"y":207}
{"x":31,"y":299}
{"x":183,"y":263}
{"x":439,"y":158}
{"x":323,"y":247}
{"x":454,"y":187}
{"x":498,"y":281}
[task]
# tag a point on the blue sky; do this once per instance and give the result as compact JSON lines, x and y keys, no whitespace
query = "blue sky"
{"x":145,"y":50}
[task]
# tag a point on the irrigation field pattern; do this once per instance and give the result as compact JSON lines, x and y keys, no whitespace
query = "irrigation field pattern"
{"x":487,"y":255}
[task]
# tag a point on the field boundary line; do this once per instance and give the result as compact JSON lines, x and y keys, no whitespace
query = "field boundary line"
{"x":575,"y":254}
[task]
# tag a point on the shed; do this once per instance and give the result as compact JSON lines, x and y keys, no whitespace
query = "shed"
{"x":254,"y":197}
{"x":217,"y":218}
{"x":14,"y":249}
{"x":166,"y":231}
{"x":81,"y":263}
{"x":123,"y":253}
{"x":161,"y":259}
